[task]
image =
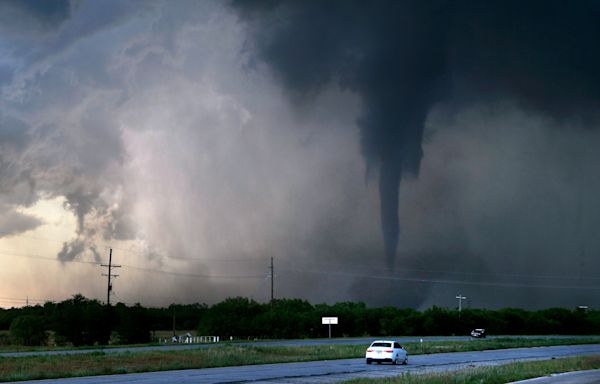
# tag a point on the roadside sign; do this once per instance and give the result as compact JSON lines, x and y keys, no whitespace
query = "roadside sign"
{"x":329,"y":320}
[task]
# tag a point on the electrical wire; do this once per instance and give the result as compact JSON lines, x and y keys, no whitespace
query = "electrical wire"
{"x":150,"y":270}
{"x":440,"y":281}
{"x":336,"y":266}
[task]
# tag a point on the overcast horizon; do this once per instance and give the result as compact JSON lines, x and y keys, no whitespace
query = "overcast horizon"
{"x":396,"y":153}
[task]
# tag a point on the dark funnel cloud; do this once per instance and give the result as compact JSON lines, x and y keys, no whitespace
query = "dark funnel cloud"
{"x":404,"y":57}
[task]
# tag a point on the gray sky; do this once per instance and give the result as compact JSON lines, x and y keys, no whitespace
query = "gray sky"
{"x":177,"y":134}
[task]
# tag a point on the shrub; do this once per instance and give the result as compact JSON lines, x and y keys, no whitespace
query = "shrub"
{"x":29,"y":330}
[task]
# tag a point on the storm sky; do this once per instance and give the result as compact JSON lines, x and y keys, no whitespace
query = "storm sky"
{"x":399,"y":152}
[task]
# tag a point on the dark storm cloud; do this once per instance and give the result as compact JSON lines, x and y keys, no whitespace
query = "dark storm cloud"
{"x":17,"y":186}
{"x":35,"y":15}
{"x":57,"y":48}
{"x":14,"y":223}
{"x":13,"y":133}
{"x":72,"y":249}
{"x":542,"y":53}
{"x":81,"y":202}
{"x":143,"y":120}
{"x":403,"y":57}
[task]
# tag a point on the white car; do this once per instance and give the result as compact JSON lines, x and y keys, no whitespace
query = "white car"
{"x":386,"y":351}
{"x":478,"y":333}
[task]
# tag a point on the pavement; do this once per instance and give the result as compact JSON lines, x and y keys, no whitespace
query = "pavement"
{"x":579,"y":377}
{"x":334,"y":371}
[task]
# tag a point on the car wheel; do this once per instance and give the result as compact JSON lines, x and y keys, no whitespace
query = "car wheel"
{"x":405,"y":361}
{"x":369,"y":361}
{"x":395,"y":361}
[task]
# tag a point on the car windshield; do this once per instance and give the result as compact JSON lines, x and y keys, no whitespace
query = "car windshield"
{"x":385,"y":345}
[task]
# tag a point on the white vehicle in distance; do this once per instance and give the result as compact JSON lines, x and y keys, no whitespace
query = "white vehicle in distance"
{"x":386,"y":351}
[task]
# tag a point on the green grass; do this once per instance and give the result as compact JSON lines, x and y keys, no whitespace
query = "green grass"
{"x":162,"y":334}
{"x":99,"y":362}
{"x":496,"y":343}
{"x":24,"y":348}
{"x":493,"y":375}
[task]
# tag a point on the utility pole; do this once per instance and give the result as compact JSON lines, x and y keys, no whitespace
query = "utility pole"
{"x":272,"y":278}
{"x":109,"y":274}
{"x":173,"y":319}
{"x":460,"y":299}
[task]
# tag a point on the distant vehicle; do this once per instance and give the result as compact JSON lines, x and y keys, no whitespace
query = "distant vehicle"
{"x":386,"y":351}
{"x":478,"y":333}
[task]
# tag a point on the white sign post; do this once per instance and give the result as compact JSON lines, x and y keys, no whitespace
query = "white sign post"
{"x":329,"y":321}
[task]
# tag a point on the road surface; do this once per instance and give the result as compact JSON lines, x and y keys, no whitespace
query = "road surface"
{"x":581,"y":377}
{"x":332,"y":371}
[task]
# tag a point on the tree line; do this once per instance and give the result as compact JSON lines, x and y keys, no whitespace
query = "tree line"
{"x":81,"y":321}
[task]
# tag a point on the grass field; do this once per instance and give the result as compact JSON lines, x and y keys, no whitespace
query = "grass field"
{"x":99,"y":363}
{"x":493,"y":375}
{"x":22,"y":348}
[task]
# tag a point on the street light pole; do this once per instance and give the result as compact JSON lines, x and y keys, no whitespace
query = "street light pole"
{"x":460,"y":299}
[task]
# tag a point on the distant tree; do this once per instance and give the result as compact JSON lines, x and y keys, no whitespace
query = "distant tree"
{"x":285,"y":319}
{"x":592,"y":321}
{"x":29,"y":330}
{"x":475,"y":318}
{"x":513,"y":321}
{"x":187,"y":316}
{"x":351,"y":317}
{"x":440,"y":321}
{"x":406,"y":322}
{"x":560,"y":320}
{"x":133,"y":324}
{"x":233,"y":317}
{"x":82,"y":321}
{"x":6,"y":318}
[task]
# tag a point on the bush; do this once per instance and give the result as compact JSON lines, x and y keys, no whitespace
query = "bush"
{"x":29,"y":330}
{"x":81,"y":321}
{"x":133,"y":324}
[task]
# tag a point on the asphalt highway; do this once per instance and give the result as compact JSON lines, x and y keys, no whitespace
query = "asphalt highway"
{"x":581,"y":377}
{"x":332,"y":371}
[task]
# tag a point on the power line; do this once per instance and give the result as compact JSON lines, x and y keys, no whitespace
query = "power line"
{"x":333,"y":265}
{"x":133,"y":267}
{"x":217,"y":260}
{"x":442,"y":281}
{"x":9,"y":234}
{"x":38,"y":257}
{"x":141,"y":269}
{"x":20,"y":299}
{"x":362,"y":266}
{"x":336,"y":273}
{"x":385,"y":269}
{"x":272,"y":275}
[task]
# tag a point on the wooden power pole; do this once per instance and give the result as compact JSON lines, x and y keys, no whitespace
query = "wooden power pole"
{"x":272,"y":279}
{"x":109,"y":275}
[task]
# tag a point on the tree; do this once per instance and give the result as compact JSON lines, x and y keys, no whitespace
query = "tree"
{"x":234,"y":317}
{"x":133,"y":324}
{"x":29,"y":330}
{"x":81,"y":321}
{"x":286,"y":319}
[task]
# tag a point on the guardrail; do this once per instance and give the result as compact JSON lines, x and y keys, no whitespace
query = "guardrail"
{"x":189,"y":339}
